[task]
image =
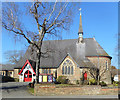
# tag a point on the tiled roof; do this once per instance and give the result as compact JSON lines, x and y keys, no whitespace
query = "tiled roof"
{"x":6,"y":67}
{"x":60,"y":49}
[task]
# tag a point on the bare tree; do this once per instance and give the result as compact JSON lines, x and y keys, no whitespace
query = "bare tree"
{"x":13,"y":56}
{"x":46,"y":18}
{"x":98,"y":74}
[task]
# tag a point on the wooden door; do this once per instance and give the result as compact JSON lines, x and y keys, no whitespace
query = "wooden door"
{"x":27,"y":76}
{"x":85,"y":76}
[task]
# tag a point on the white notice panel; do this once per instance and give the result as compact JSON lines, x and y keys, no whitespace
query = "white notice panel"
{"x":40,"y":78}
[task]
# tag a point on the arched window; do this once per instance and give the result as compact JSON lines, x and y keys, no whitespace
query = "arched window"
{"x":72,"y":70}
{"x":67,"y":67}
{"x":63,"y":70}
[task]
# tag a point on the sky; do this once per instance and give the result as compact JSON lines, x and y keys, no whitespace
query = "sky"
{"x":99,"y":20}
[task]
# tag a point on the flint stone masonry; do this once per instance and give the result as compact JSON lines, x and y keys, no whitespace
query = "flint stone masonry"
{"x":48,"y":90}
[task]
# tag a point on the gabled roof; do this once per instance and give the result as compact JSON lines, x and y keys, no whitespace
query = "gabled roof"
{"x":31,"y":63}
{"x":60,"y":48}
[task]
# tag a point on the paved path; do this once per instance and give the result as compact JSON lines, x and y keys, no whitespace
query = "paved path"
{"x":19,"y":90}
{"x":14,"y":90}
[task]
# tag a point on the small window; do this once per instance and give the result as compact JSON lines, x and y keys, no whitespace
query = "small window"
{"x":30,"y":76}
{"x":26,"y":76}
{"x":67,"y":61}
{"x":43,"y":71}
{"x":3,"y":73}
{"x":49,"y":71}
{"x":106,"y":65}
{"x":26,"y":72}
{"x":46,"y":71}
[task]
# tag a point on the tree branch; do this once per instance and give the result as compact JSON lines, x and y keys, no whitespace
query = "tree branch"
{"x":61,"y":10}
{"x":52,"y":11}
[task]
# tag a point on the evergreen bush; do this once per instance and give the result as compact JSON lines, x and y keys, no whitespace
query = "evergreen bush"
{"x":62,"y":80}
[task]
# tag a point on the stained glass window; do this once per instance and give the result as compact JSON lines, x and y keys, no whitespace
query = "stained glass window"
{"x":63,"y":70}
{"x":72,"y":70}
{"x":67,"y":67}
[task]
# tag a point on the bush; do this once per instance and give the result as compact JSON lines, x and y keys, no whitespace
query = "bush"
{"x":7,"y":79}
{"x":115,"y":83}
{"x":92,"y":82}
{"x":77,"y":82}
{"x":62,"y":80}
{"x":16,"y":79}
{"x":103,"y":83}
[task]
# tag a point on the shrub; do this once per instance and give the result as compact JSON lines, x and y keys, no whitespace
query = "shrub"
{"x":92,"y":82}
{"x":7,"y":79}
{"x":16,"y":79}
{"x":115,"y":83}
{"x":86,"y":82}
{"x":103,"y":83}
{"x":62,"y":80}
{"x":77,"y":82}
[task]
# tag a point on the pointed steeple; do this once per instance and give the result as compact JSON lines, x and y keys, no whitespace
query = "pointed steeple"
{"x":80,"y":32}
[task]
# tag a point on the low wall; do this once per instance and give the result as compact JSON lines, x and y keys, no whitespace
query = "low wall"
{"x":49,"y":90}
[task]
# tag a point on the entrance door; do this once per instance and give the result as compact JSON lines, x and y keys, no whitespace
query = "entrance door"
{"x":85,"y":76}
{"x":27,"y":76}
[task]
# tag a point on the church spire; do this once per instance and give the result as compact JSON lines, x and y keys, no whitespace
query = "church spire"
{"x":80,"y":32}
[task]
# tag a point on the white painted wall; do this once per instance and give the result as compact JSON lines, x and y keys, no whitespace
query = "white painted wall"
{"x":27,"y":67}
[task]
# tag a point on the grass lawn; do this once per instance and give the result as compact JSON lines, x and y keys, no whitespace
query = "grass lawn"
{"x":31,"y":90}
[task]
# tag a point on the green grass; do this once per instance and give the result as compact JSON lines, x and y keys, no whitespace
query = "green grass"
{"x":31,"y":90}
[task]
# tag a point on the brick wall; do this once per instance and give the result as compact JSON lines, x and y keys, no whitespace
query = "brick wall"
{"x":49,"y":90}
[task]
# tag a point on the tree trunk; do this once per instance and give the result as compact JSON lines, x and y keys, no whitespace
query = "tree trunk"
{"x":38,"y":66}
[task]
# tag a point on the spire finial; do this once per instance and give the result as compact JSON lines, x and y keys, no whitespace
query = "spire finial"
{"x":80,"y":32}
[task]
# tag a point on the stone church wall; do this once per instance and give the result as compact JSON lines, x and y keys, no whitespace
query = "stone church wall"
{"x":76,"y":71}
{"x":16,"y":71}
{"x":105,"y":71}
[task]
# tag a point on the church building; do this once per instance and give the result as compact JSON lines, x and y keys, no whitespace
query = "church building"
{"x":73,"y":58}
